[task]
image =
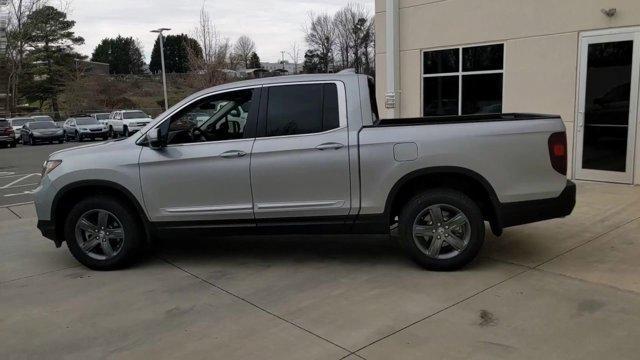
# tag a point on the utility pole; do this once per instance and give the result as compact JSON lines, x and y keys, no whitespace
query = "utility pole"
{"x":282,"y":52}
{"x":164,"y":77}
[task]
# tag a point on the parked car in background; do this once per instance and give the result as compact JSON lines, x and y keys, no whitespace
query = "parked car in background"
{"x":42,"y":118}
{"x":101,"y":117}
{"x":126,"y":122}
{"x":17,"y":123}
{"x":7,"y":134}
{"x":41,"y":131}
{"x":306,"y":154}
{"x":84,"y":127}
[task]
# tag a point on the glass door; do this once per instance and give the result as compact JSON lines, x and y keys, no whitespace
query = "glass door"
{"x":608,"y":107}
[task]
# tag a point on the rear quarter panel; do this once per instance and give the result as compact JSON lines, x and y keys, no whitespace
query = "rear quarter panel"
{"x":512,"y":156}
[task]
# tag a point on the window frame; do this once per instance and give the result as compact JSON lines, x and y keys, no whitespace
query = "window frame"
{"x":342,"y":108}
{"x":460,"y":73}
{"x":250,"y":121}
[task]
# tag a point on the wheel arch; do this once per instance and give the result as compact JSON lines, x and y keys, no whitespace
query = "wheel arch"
{"x":71,"y":193}
{"x":461,"y":179}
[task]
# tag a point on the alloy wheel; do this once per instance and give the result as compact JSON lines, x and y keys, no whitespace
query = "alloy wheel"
{"x":441,"y":231}
{"x":99,"y":234}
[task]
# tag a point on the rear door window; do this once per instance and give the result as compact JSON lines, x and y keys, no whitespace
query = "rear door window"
{"x":302,"y":109}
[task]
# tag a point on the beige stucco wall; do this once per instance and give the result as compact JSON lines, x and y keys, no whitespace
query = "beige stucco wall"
{"x":541,"y":40}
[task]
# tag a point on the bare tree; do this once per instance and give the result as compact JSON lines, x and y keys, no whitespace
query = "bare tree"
{"x":243,"y":48}
{"x":321,"y":35}
{"x":209,"y":69}
{"x":294,"y":55}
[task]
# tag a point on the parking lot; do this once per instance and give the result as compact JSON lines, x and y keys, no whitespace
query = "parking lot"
{"x":566,"y":288}
{"x":20,"y":169}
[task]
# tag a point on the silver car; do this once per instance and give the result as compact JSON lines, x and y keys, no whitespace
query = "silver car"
{"x":84,"y":127}
{"x":306,"y":154}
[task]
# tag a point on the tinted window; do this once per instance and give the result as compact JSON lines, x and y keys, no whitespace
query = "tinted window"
{"x":86,"y":121}
{"x":302,"y":109}
{"x":41,"y":118}
{"x":440,"y":95}
{"x":214,"y":118}
{"x":134,"y":115}
{"x":441,"y":61}
{"x":4,"y":123}
{"x":482,"y":94}
{"x":19,"y":122}
{"x":483,"y":58}
{"x":42,"y":125}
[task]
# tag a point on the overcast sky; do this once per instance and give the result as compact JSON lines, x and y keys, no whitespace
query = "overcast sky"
{"x":272,"y":24}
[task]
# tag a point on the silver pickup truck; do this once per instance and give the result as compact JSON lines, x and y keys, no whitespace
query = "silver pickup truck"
{"x":306,"y":154}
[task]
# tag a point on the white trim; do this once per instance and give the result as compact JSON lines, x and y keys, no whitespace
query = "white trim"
{"x":597,"y":37}
{"x":460,"y":73}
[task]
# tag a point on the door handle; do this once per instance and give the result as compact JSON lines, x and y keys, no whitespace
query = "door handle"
{"x":233,"y":154}
{"x":330,"y":146}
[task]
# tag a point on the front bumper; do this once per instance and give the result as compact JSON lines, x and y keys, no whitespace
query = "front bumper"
{"x":525,"y":212}
{"x":95,"y":134}
{"x":48,"y":137}
{"x":48,"y":230}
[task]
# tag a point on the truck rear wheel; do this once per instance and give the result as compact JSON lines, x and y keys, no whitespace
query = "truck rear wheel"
{"x":441,"y":229}
{"x":103,"y":234}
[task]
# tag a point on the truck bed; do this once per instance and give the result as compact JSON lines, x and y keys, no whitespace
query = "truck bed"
{"x":459,"y":119}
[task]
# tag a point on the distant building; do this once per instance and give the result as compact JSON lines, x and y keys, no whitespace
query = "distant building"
{"x":289,"y":67}
{"x":92,"y":67}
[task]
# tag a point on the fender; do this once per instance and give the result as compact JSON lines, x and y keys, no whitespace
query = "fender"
{"x":496,"y":223}
{"x":104,"y":184}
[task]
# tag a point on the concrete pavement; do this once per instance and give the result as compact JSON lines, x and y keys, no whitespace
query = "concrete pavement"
{"x":566,"y":288}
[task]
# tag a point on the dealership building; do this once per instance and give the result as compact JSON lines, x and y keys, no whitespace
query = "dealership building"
{"x":579,"y":59}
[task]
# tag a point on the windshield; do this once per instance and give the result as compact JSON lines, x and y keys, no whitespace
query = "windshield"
{"x":42,"y":125}
{"x":41,"y":118}
{"x":101,"y":116}
{"x":19,"y":122}
{"x":134,"y":115}
{"x":86,"y":121}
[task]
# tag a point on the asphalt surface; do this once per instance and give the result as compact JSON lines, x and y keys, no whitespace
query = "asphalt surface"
{"x":20,"y":169}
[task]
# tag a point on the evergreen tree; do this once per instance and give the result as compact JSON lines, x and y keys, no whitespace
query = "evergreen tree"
{"x":254,"y":61}
{"x":123,"y":54}
{"x":178,"y":50}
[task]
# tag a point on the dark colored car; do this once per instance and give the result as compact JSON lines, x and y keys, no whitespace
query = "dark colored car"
{"x":41,"y":131}
{"x":7,"y":135}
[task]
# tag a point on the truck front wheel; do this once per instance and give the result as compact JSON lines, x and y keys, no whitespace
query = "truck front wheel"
{"x":441,"y":229}
{"x":103,"y":234}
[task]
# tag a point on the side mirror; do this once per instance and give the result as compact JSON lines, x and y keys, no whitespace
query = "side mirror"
{"x":155,"y":139}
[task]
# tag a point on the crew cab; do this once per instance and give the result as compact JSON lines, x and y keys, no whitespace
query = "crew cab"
{"x":306,"y":154}
{"x":126,"y":122}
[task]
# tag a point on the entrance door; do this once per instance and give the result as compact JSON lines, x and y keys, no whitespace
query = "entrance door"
{"x":608,"y":107}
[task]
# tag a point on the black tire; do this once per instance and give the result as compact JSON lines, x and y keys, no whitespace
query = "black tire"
{"x":447,"y":197}
{"x":78,"y":137}
{"x":133,"y":233}
{"x":60,"y":141}
{"x":125,"y":132}
{"x":13,"y":144}
{"x":32,"y":141}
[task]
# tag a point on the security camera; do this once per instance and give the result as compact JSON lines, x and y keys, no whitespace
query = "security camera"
{"x":609,"y":12}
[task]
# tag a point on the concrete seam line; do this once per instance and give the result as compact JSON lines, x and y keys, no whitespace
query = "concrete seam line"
{"x":253,"y":304}
{"x":39,"y":274}
{"x":14,"y":213}
{"x":586,"y":242}
{"x":443,"y":309}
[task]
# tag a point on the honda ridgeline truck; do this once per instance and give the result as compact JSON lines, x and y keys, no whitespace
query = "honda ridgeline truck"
{"x":306,"y":154}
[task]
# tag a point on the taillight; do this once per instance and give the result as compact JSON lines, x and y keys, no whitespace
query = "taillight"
{"x":558,"y":152}
{"x":8,"y":131}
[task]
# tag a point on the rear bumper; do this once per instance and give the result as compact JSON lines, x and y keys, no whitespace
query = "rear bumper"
{"x":7,"y":139}
{"x":525,"y":212}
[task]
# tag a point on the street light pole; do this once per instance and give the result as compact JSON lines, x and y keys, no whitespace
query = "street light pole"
{"x":164,"y":77}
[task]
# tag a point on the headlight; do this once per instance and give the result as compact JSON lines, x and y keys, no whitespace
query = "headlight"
{"x":49,"y":165}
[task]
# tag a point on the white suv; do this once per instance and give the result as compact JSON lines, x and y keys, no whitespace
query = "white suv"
{"x":126,"y":122}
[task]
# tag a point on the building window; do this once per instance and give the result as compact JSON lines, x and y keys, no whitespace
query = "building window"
{"x":462,"y":81}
